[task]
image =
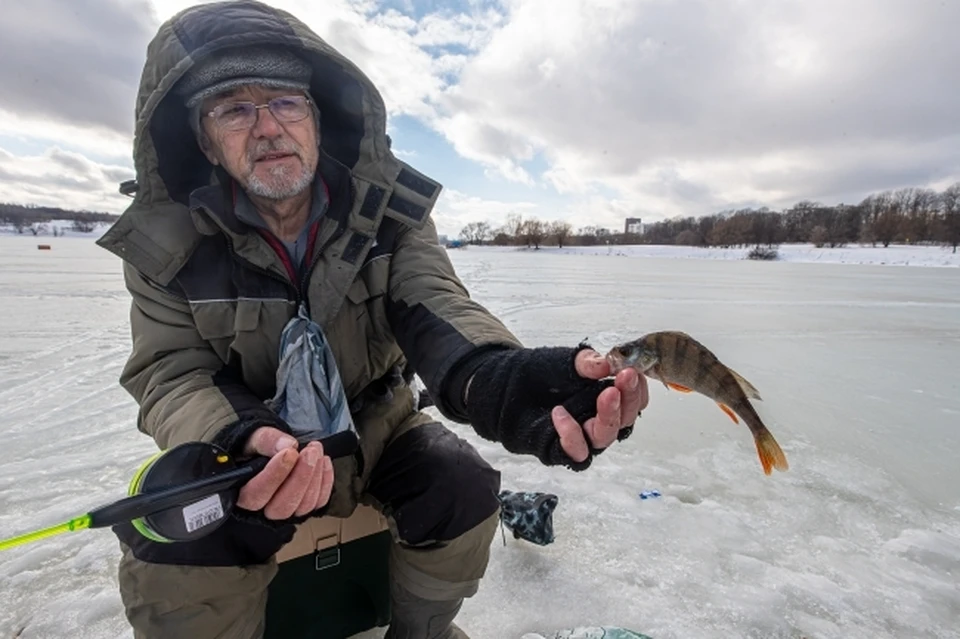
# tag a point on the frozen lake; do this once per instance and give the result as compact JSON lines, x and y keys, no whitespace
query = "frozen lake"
{"x":858,"y":367}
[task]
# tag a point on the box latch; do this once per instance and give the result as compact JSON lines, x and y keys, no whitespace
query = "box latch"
{"x":328,"y":556}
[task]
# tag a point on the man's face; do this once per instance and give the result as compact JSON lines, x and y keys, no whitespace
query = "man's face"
{"x":272,"y":158}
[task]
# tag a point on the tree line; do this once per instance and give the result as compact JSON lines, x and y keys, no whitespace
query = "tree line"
{"x":34,"y":219}
{"x":534,"y":232}
{"x":901,"y":216}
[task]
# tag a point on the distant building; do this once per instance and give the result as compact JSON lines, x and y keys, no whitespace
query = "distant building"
{"x":633,"y":225}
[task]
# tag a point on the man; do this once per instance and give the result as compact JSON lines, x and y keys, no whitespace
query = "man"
{"x":266,"y":182}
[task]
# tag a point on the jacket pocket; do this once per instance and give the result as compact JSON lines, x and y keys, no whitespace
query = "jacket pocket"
{"x":220,"y":320}
{"x":247,"y":316}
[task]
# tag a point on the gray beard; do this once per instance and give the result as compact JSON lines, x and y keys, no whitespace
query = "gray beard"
{"x":279,"y":186}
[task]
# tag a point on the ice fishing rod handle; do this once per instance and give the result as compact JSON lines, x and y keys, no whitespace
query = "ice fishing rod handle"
{"x":141,"y":505}
{"x":136,"y":506}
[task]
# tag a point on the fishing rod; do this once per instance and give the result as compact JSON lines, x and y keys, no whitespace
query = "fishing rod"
{"x":180,"y":494}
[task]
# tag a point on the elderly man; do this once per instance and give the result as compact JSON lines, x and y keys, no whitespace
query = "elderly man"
{"x":266,"y":187}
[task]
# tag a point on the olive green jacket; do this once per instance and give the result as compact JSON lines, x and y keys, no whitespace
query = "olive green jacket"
{"x":210,"y":294}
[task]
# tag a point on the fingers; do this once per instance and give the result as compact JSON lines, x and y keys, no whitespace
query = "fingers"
{"x":286,"y":500}
{"x":602,"y":429}
{"x":571,"y":435}
{"x":634,"y":394}
{"x":268,"y":441}
{"x":321,"y":484}
{"x":591,"y":364}
{"x":617,"y":407}
{"x":308,"y":502}
{"x":292,"y":483}
{"x":257,"y":492}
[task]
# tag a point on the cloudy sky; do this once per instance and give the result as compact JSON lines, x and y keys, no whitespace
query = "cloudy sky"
{"x":585,"y":110}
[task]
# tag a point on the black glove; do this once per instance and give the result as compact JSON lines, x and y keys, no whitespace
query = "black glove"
{"x":513,"y":392}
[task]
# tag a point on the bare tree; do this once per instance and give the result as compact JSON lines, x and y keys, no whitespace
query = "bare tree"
{"x":560,"y":230}
{"x":534,"y":231}
{"x":475,"y":232}
{"x":819,"y":236}
{"x":916,"y":209}
{"x":885,"y":212}
{"x":950,"y":216}
{"x":513,"y":227}
{"x":689,"y":237}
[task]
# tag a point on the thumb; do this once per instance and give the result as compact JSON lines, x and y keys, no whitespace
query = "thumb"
{"x":268,"y":441}
{"x":591,"y":364}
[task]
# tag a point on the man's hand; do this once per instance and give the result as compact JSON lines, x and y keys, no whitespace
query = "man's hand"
{"x":292,"y":483}
{"x":617,"y":407}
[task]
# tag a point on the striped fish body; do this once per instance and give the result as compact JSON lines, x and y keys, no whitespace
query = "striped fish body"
{"x":682,"y":363}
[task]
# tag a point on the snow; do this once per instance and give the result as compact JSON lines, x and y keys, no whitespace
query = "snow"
{"x":856,"y":365}
{"x":895,"y":255}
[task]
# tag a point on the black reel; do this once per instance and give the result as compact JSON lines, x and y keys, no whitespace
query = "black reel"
{"x":190,"y":490}
{"x":202,"y":511}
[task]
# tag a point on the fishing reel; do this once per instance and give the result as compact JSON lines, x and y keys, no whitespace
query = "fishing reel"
{"x":207,"y":483}
{"x":189,"y":491}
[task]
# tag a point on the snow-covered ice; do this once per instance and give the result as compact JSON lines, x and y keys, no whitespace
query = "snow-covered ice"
{"x":857,"y":366}
{"x":895,"y":255}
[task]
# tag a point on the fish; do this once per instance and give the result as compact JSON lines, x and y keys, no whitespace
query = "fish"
{"x":683,"y":364}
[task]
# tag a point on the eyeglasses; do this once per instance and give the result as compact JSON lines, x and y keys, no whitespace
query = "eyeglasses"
{"x":234,"y":116}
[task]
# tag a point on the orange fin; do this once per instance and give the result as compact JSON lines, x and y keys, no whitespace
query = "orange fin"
{"x":771,"y":456}
{"x":729,"y":412}
{"x":678,"y":387}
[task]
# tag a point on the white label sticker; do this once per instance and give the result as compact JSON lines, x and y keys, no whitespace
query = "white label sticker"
{"x":202,"y":513}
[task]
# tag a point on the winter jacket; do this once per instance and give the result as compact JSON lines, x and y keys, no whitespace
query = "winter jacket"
{"x":211,"y":295}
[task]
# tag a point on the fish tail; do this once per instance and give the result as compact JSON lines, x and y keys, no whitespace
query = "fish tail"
{"x":771,"y":456}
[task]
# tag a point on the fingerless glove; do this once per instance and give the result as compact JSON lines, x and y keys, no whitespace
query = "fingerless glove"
{"x":512,"y":393}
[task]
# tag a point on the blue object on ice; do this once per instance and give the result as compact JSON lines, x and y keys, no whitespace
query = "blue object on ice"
{"x":528,"y":515}
{"x":649,"y":494}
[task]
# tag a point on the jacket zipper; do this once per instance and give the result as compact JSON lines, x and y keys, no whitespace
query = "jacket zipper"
{"x":261,"y":270}
{"x":315,"y":254}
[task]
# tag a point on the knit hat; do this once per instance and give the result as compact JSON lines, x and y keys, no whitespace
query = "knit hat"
{"x":271,"y":67}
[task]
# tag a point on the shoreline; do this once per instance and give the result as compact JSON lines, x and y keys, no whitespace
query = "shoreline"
{"x":856,"y":254}
{"x":852,"y":254}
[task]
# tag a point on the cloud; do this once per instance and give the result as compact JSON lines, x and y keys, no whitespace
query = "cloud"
{"x":601,"y":108}
{"x":455,"y":209}
{"x":75,"y":62}
{"x":62,"y":178}
{"x":694,"y":105}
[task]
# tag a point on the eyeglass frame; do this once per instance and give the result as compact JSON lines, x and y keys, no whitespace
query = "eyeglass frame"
{"x":213,"y":114}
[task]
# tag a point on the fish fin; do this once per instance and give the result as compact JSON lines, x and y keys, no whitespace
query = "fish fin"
{"x":658,"y":374}
{"x":771,"y":456}
{"x":746,"y":386}
{"x":729,"y":412}
{"x":678,"y":387}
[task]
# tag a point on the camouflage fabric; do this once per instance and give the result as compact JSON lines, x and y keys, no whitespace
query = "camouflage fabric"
{"x":529,"y":515}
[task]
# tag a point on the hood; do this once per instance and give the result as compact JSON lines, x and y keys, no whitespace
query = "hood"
{"x":153,"y":233}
